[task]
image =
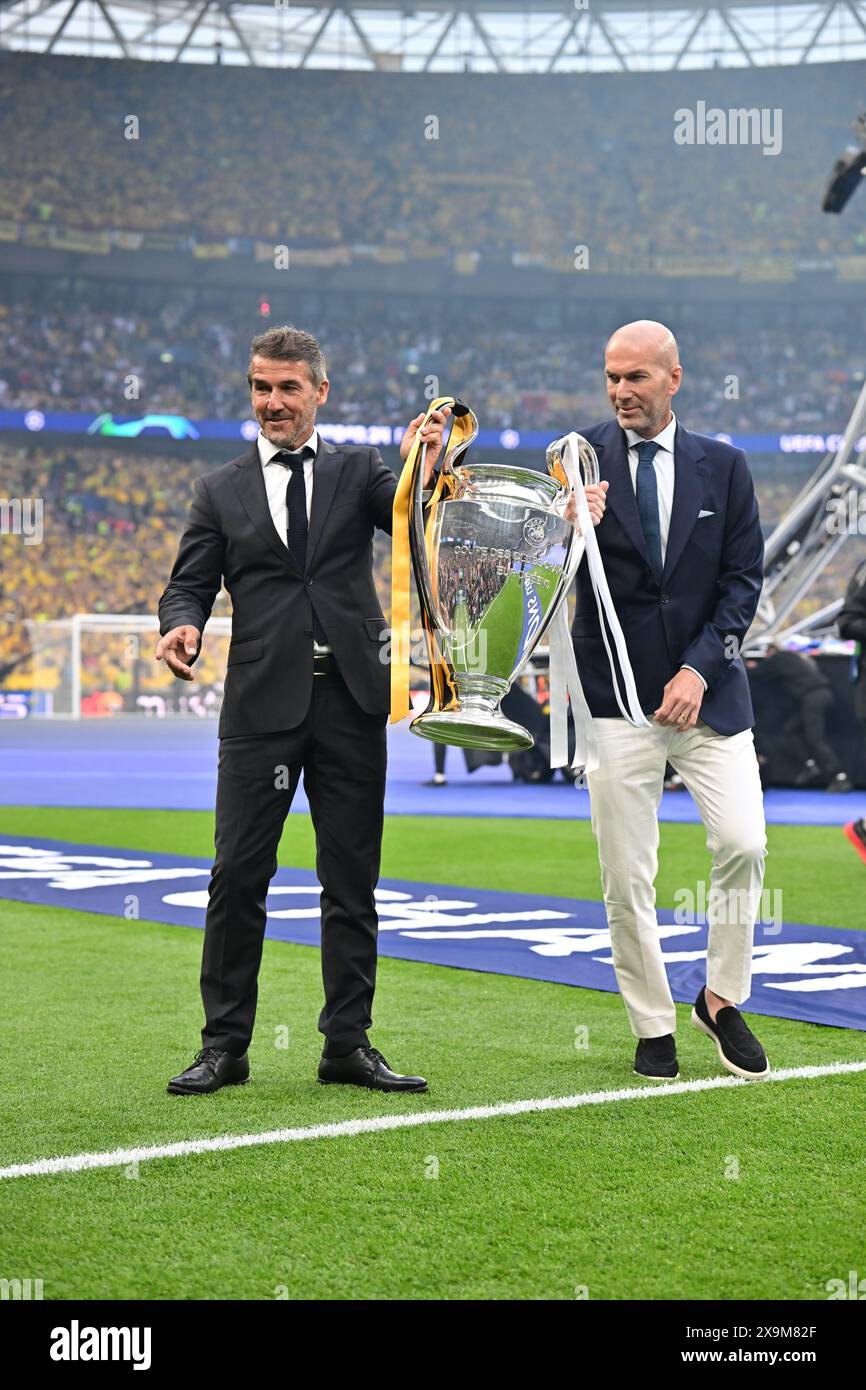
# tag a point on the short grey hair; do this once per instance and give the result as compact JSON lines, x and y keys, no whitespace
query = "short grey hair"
{"x":289,"y":344}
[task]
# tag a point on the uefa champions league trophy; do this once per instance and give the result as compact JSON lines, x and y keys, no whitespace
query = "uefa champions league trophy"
{"x":493,"y":562}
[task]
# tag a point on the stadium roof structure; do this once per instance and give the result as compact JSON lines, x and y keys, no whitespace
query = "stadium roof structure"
{"x":445,"y":35}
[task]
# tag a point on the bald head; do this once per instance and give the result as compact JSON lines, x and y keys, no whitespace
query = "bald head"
{"x":653,"y":340}
{"x":642,"y":369}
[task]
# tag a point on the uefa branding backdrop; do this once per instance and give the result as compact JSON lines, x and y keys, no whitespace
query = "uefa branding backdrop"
{"x":432,"y":691}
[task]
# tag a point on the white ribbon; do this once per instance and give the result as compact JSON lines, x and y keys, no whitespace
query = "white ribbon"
{"x":564,"y":679}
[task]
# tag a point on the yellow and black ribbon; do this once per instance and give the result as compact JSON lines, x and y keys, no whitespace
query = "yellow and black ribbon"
{"x":443,"y":690}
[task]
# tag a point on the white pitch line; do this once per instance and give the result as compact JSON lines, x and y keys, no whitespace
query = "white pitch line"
{"x":119,"y":1158}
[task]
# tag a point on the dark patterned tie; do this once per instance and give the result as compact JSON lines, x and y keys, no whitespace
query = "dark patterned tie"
{"x":296,"y":503}
{"x":296,"y":510}
{"x":648,"y":504}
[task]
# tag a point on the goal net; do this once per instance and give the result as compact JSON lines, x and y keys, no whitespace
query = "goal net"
{"x":102,"y":664}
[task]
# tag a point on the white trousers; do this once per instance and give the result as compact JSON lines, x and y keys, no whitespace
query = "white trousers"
{"x":722,"y":775}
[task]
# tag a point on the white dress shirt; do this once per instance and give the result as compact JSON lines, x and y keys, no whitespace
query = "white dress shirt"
{"x":277,"y":480}
{"x":663,"y":463}
{"x":276,"y":476}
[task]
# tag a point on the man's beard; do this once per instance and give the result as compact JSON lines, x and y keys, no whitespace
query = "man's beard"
{"x":283,"y":431}
{"x":647,"y":422}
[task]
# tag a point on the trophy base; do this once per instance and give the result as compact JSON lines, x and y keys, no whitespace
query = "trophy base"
{"x":477,"y":729}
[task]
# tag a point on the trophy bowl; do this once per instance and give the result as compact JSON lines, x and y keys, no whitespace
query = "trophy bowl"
{"x":497,"y":563}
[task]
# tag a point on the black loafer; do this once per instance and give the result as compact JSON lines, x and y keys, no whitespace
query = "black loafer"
{"x":211,"y":1070}
{"x":738,"y":1048}
{"x":657,"y":1058}
{"x":366,"y":1067}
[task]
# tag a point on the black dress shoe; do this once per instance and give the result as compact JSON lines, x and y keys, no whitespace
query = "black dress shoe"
{"x":738,"y":1048}
{"x":657,"y":1058}
{"x":211,"y":1070}
{"x":366,"y":1067}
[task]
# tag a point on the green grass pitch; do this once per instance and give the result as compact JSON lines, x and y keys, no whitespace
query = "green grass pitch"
{"x":752,"y":1192}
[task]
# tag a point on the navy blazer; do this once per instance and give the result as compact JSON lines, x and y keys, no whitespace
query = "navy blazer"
{"x":700,"y":613}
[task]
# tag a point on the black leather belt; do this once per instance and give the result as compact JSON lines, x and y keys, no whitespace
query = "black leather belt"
{"x":325,"y":665}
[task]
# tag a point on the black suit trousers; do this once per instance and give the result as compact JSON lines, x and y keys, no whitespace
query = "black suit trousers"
{"x":342,"y":754}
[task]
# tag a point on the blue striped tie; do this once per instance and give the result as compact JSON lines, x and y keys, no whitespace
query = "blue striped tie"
{"x":648,"y":504}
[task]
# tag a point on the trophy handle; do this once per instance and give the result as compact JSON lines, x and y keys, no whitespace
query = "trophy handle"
{"x":468,"y":429}
{"x":410,"y":543}
{"x":560,"y":454}
{"x":587,"y":460}
{"x":560,"y":464}
{"x":465,"y":426}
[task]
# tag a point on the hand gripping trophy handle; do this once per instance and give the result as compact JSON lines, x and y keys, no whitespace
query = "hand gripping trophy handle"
{"x":463,"y":431}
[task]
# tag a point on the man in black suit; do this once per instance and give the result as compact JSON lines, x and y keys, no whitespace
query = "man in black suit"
{"x":288,"y":526}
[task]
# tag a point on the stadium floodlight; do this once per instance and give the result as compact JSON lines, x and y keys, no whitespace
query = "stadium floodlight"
{"x":847,"y":171}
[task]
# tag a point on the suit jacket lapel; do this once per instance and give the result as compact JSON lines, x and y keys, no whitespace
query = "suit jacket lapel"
{"x":326,"y":475}
{"x":249,"y":484}
{"x":690,"y":474}
{"x":620,"y":494}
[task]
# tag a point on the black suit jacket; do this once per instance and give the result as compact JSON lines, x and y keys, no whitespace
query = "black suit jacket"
{"x":700,"y":613}
{"x":230,"y":536}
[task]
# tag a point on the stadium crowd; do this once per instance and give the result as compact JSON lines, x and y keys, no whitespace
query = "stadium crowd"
{"x":184,"y":359}
{"x":217,"y":153}
{"x":109,"y":536}
{"x":431,"y":164}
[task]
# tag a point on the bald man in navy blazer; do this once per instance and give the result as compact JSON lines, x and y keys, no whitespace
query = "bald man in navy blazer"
{"x":682,"y":548}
